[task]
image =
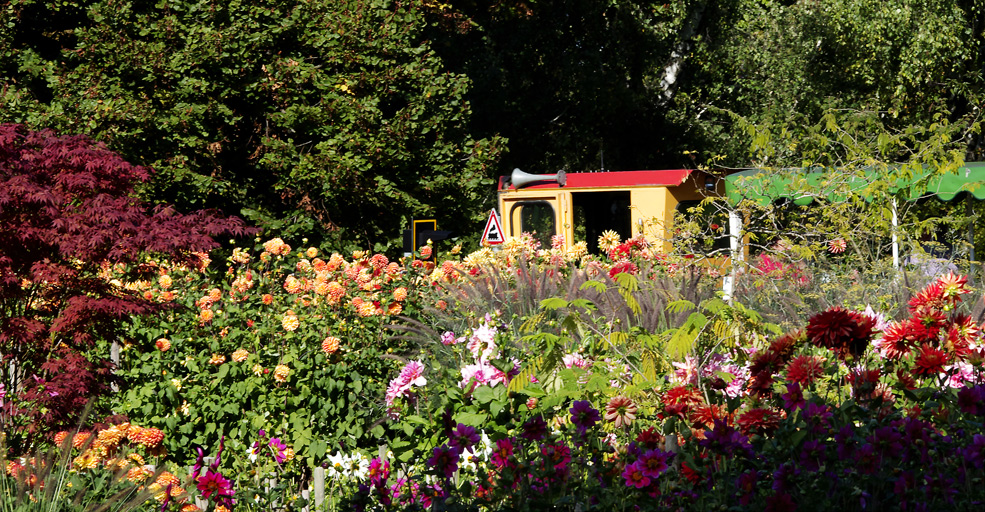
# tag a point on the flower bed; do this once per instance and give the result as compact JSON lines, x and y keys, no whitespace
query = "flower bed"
{"x":584,"y":382}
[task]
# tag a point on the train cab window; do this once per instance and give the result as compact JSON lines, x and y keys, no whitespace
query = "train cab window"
{"x":537,"y":218}
{"x":596,"y":212}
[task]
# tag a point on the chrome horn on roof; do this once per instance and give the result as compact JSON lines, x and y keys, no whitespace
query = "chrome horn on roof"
{"x":521,"y":179}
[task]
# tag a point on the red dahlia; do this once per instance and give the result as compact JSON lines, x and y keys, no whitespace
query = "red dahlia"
{"x":805,"y":369}
{"x":930,"y":360}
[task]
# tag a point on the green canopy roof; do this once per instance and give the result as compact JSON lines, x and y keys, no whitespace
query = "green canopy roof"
{"x":803,"y":186}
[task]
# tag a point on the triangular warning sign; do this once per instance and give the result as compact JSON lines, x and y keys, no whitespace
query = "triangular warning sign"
{"x":493,"y":234}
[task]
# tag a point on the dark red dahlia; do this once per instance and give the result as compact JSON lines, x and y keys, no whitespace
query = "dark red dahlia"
{"x":759,"y":421}
{"x":845,"y":332}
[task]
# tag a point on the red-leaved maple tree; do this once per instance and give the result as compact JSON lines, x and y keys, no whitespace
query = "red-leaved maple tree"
{"x":67,"y":213}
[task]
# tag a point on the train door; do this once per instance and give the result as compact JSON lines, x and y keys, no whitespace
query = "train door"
{"x":597,"y":212}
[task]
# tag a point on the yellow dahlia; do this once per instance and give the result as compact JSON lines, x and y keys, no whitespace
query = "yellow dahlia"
{"x":217,"y":359}
{"x":138,"y":474}
{"x":290,"y":321}
{"x":240,"y":256}
{"x":257,"y":370}
{"x":311,"y":252}
{"x":366,"y":309}
{"x":164,"y":281}
{"x":240,"y":355}
{"x":609,"y":240}
{"x":88,"y":460}
{"x":281,"y":372}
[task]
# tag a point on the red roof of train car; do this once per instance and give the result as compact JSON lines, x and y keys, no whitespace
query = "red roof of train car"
{"x":662,"y":178}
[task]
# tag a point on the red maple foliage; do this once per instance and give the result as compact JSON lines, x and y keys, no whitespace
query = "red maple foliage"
{"x":68,"y":211}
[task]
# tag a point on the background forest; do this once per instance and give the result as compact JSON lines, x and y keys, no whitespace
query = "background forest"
{"x":339,"y":121}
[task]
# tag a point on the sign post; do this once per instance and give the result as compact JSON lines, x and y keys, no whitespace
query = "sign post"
{"x":493,"y":234}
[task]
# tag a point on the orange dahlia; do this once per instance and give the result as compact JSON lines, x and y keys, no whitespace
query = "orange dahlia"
{"x":80,"y":439}
{"x":378,"y":261}
{"x":400,"y":294}
{"x":334,"y":262}
{"x":240,"y":355}
{"x":330,"y":344}
{"x":162,"y":344}
{"x":217,"y":359}
{"x":293,"y":284}
{"x":151,"y":437}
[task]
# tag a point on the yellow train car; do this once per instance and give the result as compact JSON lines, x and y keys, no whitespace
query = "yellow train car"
{"x":581,"y":205}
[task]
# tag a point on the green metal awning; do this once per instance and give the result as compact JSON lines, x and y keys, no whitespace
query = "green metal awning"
{"x":803,"y":186}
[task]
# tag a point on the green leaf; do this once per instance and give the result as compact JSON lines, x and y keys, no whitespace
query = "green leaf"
{"x":553,"y":303}
{"x":473,"y":419}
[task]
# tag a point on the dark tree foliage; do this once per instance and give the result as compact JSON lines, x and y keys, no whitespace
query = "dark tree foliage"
{"x":328,"y":119}
{"x":67,"y":214}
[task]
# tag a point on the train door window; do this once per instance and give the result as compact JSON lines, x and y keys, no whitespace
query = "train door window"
{"x":536,"y":218}
{"x":596,"y":212}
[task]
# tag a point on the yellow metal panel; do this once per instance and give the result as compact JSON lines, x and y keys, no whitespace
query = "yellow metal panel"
{"x":649,"y":214}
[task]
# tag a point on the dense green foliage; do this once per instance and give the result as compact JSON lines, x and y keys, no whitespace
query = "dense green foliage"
{"x":278,"y":111}
{"x":284,"y":112}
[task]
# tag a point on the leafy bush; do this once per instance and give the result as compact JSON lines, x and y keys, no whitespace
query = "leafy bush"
{"x":283,"y":342}
{"x":67,"y":216}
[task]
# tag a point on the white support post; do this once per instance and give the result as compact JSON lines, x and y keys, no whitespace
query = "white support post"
{"x":896,"y":264}
{"x":735,"y":253}
{"x":319,"y":484}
